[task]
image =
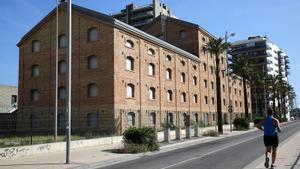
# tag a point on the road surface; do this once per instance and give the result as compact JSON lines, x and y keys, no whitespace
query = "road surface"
{"x":229,"y":153}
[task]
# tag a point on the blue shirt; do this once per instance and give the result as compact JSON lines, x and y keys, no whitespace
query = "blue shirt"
{"x":269,"y":127}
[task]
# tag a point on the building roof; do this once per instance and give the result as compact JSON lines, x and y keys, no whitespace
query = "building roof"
{"x":186,"y":23}
{"x":114,"y":22}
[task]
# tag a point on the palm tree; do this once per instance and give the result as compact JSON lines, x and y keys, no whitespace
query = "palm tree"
{"x":244,"y":68}
{"x":273,"y":84}
{"x":217,"y":47}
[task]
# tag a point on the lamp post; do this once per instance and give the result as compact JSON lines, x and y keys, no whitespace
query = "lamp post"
{"x":69,"y":56}
{"x":228,"y":35}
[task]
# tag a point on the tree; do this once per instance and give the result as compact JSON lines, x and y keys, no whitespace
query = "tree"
{"x":217,"y":47}
{"x":244,"y":68}
{"x":273,"y":85}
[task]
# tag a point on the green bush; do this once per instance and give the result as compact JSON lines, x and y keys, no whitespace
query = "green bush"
{"x":241,"y":123}
{"x":140,"y":138}
{"x":282,"y":119}
{"x":211,"y":133}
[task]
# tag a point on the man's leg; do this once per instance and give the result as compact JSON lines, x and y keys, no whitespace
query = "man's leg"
{"x":274,"y":154}
{"x":268,"y":151}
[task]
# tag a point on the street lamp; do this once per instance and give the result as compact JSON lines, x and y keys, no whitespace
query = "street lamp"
{"x":228,"y":35}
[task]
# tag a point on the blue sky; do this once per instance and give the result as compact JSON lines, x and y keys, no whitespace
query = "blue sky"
{"x":278,"y":19}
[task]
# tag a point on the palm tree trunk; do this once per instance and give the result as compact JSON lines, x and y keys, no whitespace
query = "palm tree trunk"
{"x":245,"y":99}
{"x":273,"y":100}
{"x":219,"y":100}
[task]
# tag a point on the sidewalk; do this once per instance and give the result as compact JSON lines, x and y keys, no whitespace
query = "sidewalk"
{"x":288,"y":156}
{"x":98,"y":156}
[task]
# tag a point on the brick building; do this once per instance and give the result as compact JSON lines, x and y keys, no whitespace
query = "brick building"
{"x":121,"y":76}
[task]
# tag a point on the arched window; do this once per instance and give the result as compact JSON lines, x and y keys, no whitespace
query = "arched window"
{"x":92,"y":120}
{"x":129,"y":63}
{"x":211,"y":70}
{"x":151,"y":69}
{"x":195,"y":98}
{"x":62,"y":67}
{"x":183,"y":97}
{"x":92,"y":90}
{"x":170,"y":120}
{"x":152,"y":93}
{"x":35,"y":46}
{"x":223,"y":87}
{"x":182,"y":63}
{"x":204,"y":66}
{"x":196,"y":118}
{"x":92,"y":62}
{"x":151,"y":51}
{"x":195,"y":80}
{"x":194,"y":67}
{"x":130,"y":119}
{"x":212,"y":84}
{"x":205,"y":99}
{"x":169,"y":95}
{"x":183,"y":34}
{"x":185,"y":120}
{"x":34,"y":121}
{"x":182,"y":78}
{"x":62,"y":41}
{"x":92,"y":34}
{"x":34,"y":95}
{"x":35,"y":71}
{"x":152,"y":119}
{"x":61,"y":120}
{"x":169,"y":74}
{"x":213,"y":100}
{"x":205,"y":83}
{"x":129,"y":44}
{"x":130,"y":90}
{"x":62,"y":93}
{"x":168,"y":58}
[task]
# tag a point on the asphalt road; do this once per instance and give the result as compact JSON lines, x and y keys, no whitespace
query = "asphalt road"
{"x":228,"y":153}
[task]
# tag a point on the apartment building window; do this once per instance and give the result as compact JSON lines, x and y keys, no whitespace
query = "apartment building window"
{"x":205,"y":83}
{"x":183,"y":34}
{"x":152,"y":93}
{"x":195,"y":98}
{"x":62,"y":41}
{"x":183,"y":97}
{"x":168,"y":58}
{"x":212,"y":85}
{"x":214,"y":117}
{"x":205,"y":99}
{"x":151,"y":52}
{"x":182,"y":78}
{"x":92,"y":62}
{"x":211,"y":70}
{"x":204,"y":67}
{"x":130,"y":90}
{"x":151,"y":69}
{"x":35,"y":71}
{"x":62,"y":67}
{"x":130,"y":119}
{"x":14,"y":99}
{"x":203,"y":39}
{"x":213,"y":100}
{"x":196,"y":118}
{"x":92,"y":35}
{"x":129,"y":44}
{"x":169,"y":74}
{"x":92,"y":90}
{"x":62,"y":93}
{"x":184,"y":116}
{"x":92,"y":120}
{"x":129,"y":63}
{"x":34,"y":95}
{"x":195,"y":80}
{"x":35,"y":46}
{"x":152,"y":119}
{"x":169,"y":95}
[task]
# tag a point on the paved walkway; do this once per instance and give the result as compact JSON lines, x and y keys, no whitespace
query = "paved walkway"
{"x":288,"y":156}
{"x":100,"y":155}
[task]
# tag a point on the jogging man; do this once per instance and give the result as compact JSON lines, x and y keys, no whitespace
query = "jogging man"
{"x":270,"y":126}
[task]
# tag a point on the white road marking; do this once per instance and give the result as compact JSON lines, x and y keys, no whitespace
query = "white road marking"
{"x":212,"y":152}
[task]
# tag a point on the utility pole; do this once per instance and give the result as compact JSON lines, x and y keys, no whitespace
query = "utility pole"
{"x":69,"y":102}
